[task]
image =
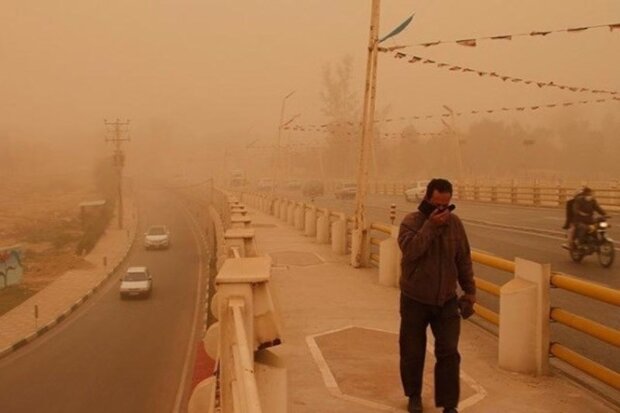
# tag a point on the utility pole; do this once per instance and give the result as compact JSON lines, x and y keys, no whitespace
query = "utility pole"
{"x":118,"y":128}
{"x":360,"y":256}
{"x":278,"y":152}
{"x":457,"y":139}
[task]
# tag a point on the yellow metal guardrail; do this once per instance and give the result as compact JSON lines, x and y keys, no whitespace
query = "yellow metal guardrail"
{"x":592,"y":328}
{"x":585,"y":288}
{"x":586,"y":365}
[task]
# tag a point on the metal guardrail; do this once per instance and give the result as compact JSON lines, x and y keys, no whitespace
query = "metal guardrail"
{"x":586,"y":365}
{"x":585,"y":288}
{"x":599,"y":331}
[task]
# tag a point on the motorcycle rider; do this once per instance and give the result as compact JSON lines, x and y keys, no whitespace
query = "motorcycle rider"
{"x":584,"y":207}
{"x":569,"y":223}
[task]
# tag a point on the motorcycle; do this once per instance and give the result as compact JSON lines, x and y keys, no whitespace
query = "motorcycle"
{"x":595,"y":240}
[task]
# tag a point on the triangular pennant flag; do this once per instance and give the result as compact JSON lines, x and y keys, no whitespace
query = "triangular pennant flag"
{"x":520,"y":108}
{"x":573,"y":89}
{"x":551,"y":105}
{"x":517,"y":80}
{"x":583,"y":102}
{"x":415,"y":59}
{"x":467,"y":42}
{"x":505,"y":78}
{"x":536,"y":33}
{"x":400,"y":55}
{"x":490,"y":111}
{"x":505,"y":109}
{"x":504,"y":37}
{"x":615,"y":26}
{"x":430,"y":44}
{"x":568,"y":103}
{"x":541,"y":84}
{"x":453,"y":68}
{"x":481,"y":73}
{"x":468,"y":70}
{"x":534,"y":107}
{"x":493,"y":74}
{"x":527,"y":82}
{"x":442,"y":64}
{"x":577,"y":29}
{"x":428,"y":61}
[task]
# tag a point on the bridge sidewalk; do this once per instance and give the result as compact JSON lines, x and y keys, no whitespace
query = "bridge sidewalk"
{"x":341,"y":343}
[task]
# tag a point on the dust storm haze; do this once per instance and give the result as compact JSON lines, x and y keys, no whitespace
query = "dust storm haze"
{"x":203,"y":83}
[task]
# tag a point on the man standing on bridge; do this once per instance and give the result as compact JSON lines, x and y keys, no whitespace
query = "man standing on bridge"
{"x":436,"y":254}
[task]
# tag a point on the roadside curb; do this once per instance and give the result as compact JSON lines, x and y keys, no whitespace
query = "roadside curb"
{"x":73,"y":307}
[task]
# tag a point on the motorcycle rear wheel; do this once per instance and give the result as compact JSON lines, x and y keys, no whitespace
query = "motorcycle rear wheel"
{"x":606,"y":254}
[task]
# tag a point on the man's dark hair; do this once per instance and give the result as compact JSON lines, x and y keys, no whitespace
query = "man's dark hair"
{"x":439,"y":185}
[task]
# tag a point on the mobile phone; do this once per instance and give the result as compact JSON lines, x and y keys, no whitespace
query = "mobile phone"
{"x":427,"y":208}
{"x":449,"y":208}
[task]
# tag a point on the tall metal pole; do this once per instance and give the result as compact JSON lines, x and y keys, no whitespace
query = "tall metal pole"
{"x":276,"y":169}
{"x":360,"y":257}
{"x":119,"y":162}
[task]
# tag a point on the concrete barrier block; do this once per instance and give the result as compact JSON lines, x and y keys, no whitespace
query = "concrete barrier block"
{"x":310,"y":223}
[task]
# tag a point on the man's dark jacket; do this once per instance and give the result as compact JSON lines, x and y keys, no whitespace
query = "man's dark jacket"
{"x":434,"y":258}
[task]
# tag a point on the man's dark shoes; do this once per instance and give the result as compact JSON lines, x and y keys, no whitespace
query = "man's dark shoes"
{"x":450,"y":410}
{"x":415,"y":404}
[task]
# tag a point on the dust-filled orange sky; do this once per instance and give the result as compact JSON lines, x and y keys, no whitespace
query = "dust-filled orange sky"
{"x":219,"y":70}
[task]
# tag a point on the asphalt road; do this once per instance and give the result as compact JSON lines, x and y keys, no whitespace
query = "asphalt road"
{"x":112,"y":355}
{"x":507,"y":243}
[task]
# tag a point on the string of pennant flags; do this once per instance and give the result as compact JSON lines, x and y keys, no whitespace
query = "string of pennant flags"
{"x":324,"y":127}
{"x":473,"y":41}
{"x":498,"y":76}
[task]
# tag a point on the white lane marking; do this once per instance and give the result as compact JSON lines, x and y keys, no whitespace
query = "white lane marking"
{"x":332,"y":385}
{"x":191,"y":344}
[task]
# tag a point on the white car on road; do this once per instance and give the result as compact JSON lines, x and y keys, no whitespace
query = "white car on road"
{"x":416,"y":192}
{"x":136,"y":282}
{"x":157,"y":236}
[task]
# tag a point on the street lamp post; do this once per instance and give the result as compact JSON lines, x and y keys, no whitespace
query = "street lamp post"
{"x":360,"y":253}
{"x":457,"y":138}
{"x":277,"y":151}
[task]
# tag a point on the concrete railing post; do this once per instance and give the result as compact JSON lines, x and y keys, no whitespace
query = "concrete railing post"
{"x":322,"y":228}
{"x":524,"y":319}
{"x":290,"y":213}
{"x":243,"y":239}
{"x":310,"y":222}
{"x":339,"y":235}
{"x":389,"y":260}
{"x":248,"y":321}
{"x":300,"y":216}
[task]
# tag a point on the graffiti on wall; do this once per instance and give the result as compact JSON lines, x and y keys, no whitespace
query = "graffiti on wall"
{"x":11,"y":268}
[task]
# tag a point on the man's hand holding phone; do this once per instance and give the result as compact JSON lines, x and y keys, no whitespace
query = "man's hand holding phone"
{"x":440,"y":216}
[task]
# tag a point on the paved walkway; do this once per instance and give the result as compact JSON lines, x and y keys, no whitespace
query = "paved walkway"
{"x":341,"y":345}
{"x":71,"y":289}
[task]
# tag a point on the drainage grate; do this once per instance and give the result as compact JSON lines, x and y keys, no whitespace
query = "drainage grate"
{"x":295,"y":258}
